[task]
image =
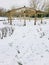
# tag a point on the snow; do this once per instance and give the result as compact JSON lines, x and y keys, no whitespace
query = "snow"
{"x":28,"y":45}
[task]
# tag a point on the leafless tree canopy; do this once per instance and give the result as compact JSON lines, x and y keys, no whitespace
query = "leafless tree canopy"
{"x":47,"y":6}
{"x":34,"y":3}
{"x":39,"y":4}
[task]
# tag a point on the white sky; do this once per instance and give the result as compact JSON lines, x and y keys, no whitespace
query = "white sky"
{"x":10,"y":3}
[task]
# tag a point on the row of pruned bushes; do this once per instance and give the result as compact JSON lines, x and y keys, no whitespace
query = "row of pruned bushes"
{"x":6,"y":31}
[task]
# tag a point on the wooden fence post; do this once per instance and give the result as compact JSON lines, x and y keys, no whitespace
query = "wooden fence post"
{"x":24,"y":19}
{"x":35,"y":18}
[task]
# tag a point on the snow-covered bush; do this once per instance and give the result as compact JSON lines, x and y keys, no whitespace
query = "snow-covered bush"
{"x":41,"y":33}
{"x":6,"y":31}
{"x":1,"y":33}
{"x":5,"y":22}
{"x":19,"y":63}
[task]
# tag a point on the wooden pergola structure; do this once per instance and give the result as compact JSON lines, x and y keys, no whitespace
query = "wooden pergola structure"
{"x":22,"y":12}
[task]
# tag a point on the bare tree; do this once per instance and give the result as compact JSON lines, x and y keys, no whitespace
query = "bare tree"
{"x":47,"y":6}
{"x":34,"y":3}
{"x":2,"y":11}
{"x":38,"y":5}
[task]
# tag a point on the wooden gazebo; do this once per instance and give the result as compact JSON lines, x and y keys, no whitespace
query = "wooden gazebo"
{"x":22,"y":12}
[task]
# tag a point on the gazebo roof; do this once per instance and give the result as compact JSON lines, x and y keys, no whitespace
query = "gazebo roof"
{"x":27,"y":10}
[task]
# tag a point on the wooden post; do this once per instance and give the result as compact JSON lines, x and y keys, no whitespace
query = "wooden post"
{"x":24,"y":19}
{"x":20,"y":17}
{"x":35,"y":18}
{"x":7,"y":16}
{"x":29,"y":18}
{"x":41,"y":18}
{"x":10,"y":18}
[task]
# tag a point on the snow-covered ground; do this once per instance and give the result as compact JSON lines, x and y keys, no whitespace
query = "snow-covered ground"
{"x":28,"y":45}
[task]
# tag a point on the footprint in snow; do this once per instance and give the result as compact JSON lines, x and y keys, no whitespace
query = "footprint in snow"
{"x":47,"y":50}
{"x":19,"y":63}
{"x":42,"y":56}
{"x":10,"y":44}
